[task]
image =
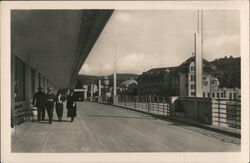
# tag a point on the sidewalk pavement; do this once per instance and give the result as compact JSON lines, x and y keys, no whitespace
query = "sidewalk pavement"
{"x":229,"y":131}
{"x":106,"y":128}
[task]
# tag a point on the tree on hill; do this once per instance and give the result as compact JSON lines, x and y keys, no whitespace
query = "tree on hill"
{"x":228,"y":71}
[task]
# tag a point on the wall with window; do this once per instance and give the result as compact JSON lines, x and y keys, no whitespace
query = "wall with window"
{"x":25,"y":79}
{"x":33,"y":81}
{"x":209,"y":84}
{"x":183,"y":84}
{"x":226,"y":93}
{"x":19,"y":80}
{"x":191,"y":80}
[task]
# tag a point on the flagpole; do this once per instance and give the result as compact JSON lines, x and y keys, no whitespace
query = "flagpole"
{"x":199,"y":54}
{"x":115,"y":70}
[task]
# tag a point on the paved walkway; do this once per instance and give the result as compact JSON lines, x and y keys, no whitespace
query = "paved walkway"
{"x":105,"y":128}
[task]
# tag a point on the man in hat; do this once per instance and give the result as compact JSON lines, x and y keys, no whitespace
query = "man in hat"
{"x":50,"y":99}
{"x":39,"y":102}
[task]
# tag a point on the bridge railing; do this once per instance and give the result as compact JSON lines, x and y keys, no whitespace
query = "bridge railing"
{"x":152,"y":104}
{"x":217,"y":112}
{"x":226,"y":113}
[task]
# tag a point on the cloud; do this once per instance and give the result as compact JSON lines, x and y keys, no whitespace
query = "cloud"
{"x":161,"y":38}
{"x":123,"y":17}
{"x":221,"y":45}
{"x":97,"y":69}
{"x":131,"y":63}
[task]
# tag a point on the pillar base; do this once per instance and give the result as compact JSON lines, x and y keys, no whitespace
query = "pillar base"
{"x":115,"y":100}
{"x":172,"y":105}
{"x":99,"y":98}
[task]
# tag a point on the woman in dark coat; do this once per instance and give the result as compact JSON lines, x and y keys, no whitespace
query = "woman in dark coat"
{"x":71,"y":105}
{"x":59,"y":106}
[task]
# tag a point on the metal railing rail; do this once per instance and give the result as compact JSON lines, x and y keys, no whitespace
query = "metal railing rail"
{"x":226,"y":113}
{"x":152,"y":104}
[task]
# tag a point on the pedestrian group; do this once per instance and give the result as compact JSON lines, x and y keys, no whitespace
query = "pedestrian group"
{"x":47,"y":101}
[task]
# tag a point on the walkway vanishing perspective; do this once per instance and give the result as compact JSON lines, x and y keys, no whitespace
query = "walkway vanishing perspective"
{"x":105,"y":128}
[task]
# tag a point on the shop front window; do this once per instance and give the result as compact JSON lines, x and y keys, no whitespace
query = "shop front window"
{"x":39,"y":79}
{"x":44,"y":84}
{"x":32,"y":76}
{"x":19,"y":80}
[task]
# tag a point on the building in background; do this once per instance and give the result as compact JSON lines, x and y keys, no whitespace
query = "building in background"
{"x":227,"y":93}
{"x":128,"y":87}
{"x":172,"y":81}
{"x":159,"y":81}
{"x":180,"y":81}
{"x":209,"y":82}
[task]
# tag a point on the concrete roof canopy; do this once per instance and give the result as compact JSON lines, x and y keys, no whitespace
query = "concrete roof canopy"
{"x":56,"y":42}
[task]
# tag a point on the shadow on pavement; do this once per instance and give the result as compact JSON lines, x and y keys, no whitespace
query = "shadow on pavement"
{"x":46,"y":121}
{"x":61,"y":121}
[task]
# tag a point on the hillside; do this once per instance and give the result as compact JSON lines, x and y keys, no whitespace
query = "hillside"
{"x":228,"y":71}
{"x":88,"y":79}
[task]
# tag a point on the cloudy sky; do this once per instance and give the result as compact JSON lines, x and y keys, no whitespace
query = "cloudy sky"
{"x":160,"y":38}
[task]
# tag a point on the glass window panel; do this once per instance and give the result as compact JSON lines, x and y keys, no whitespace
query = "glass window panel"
{"x":19,"y":80}
{"x":32,"y":76}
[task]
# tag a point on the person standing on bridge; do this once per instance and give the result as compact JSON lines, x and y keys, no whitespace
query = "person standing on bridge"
{"x":50,"y":98}
{"x":71,"y":105}
{"x":59,"y":105}
{"x":39,"y":101}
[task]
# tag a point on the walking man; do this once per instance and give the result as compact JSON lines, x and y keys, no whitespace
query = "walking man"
{"x":50,"y":98}
{"x":39,"y":102}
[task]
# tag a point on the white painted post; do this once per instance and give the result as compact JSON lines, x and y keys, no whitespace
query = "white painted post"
{"x":99,"y":88}
{"x":199,"y":54}
{"x":91,"y":92}
{"x":114,"y":83}
{"x":99,"y":91}
{"x":85,"y":94}
{"x":115,"y":69}
{"x":115,"y":98}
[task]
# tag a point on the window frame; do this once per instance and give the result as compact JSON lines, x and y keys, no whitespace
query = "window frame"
{"x":19,"y":78}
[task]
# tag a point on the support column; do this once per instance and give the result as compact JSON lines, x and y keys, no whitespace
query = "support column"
{"x":27,"y":85}
{"x":12,"y":88}
{"x":114,"y":84}
{"x":115,"y":98}
{"x":85,"y":94}
{"x":199,"y":54}
{"x":99,"y":91}
{"x":91,"y":92}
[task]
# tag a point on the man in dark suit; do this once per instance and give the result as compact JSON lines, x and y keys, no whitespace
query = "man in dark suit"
{"x":39,"y":102}
{"x":50,"y":99}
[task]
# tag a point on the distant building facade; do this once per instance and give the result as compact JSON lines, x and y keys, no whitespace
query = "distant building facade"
{"x":209,"y":82}
{"x":159,"y":81}
{"x":180,"y":81}
{"x":227,"y":93}
{"x":128,"y":87}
